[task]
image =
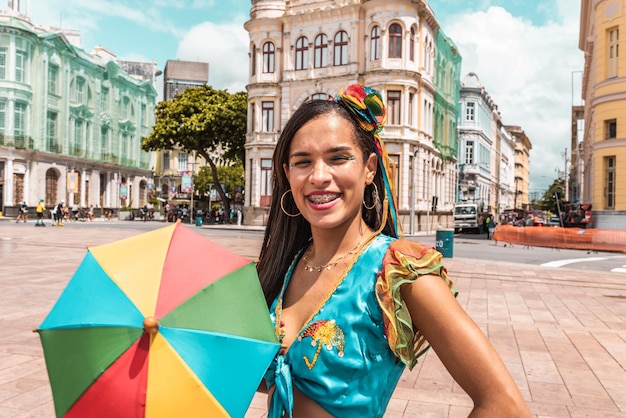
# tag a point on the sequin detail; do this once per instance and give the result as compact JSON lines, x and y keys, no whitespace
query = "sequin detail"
{"x":324,"y":333}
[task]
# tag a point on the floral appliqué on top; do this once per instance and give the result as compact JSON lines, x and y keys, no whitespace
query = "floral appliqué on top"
{"x":323,"y":333}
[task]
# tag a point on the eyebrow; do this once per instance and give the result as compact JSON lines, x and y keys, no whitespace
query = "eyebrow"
{"x":328,"y":151}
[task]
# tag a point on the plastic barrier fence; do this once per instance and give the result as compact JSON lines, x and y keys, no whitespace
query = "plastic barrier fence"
{"x":557,"y":237}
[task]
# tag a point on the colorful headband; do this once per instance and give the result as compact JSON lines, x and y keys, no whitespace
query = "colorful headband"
{"x":366,"y":105}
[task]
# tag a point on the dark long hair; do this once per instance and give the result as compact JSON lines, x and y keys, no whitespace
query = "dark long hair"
{"x":285,"y":235}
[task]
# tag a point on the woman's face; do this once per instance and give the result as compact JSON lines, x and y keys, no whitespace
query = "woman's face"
{"x":327,"y":173}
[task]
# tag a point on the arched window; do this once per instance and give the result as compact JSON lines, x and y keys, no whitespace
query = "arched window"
{"x":375,"y":44}
{"x":320,"y":96}
{"x":320,"y":50}
{"x":302,"y":53}
{"x":340,"y":52}
{"x":395,"y":41}
{"x":412,"y":45}
{"x":268,"y":57}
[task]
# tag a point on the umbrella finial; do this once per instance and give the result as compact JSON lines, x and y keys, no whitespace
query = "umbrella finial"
{"x":151,"y":325}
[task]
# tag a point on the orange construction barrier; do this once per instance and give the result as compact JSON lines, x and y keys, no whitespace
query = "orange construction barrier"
{"x":557,"y":237}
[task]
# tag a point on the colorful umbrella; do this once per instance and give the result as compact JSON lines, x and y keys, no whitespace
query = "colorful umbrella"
{"x":162,"y":324}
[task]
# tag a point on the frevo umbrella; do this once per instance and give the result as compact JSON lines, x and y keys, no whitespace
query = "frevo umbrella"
{"x":162,"y":324}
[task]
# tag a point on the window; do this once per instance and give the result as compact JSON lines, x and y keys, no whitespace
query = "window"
{"x":609,"y":182}
{"x":469,"y":152}
{"x":3,"y":63}
{"x":411,"y":107}
{"x":166,"y":160}
{"x":53,"y":75}
{"x":266,"y":182}
{"x":252,"y":114}
{"x":610,"y":129}
{"x":182,"y":161}
{"x":267,"y":114}
{"x":470,"y":111}
{"x":268,"y":57}
{"x":20,"y":66}
{"x":320,"y":51}
{"x":613,"y":52}
{"x":393,"y":107}
{"x":340,"y":53}
{"x":77,"y":149}
{"x":320,"y":96}
{"x":395,"y":41}
{"x":253,"y":60}
{"x":19,"y":117}
{"x":2,"y":116}
{"x":79,"y":88}
{"x":375,"y":44}
{"x":302,"y":53}
{"x":412,"y":45}
{"x":51,"y":132}
{"x":104,"y":99}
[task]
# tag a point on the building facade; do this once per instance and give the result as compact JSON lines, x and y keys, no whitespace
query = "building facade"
{"x":71,"y":122}
{"x":604,"y":95}
{"x":487,"y":153}
{"x":300,"y":51}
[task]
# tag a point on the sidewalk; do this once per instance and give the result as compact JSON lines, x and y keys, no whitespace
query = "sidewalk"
{"x":562,"y":333}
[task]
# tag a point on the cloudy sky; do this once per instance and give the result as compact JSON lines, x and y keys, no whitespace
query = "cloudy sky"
{"x":525,"y":52}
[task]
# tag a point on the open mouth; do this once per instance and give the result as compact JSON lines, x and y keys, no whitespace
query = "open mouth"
{"x":320,"y":199}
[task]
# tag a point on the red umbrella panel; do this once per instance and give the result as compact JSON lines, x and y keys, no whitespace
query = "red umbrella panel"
{"x":162,"y":324}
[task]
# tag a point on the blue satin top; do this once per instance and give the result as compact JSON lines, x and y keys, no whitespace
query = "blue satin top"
{"x":341,"y":358}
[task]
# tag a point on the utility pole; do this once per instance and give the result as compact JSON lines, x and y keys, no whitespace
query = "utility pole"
{"x":565,"y":175}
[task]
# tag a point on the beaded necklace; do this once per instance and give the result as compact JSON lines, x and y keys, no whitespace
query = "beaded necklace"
{"x":330,"y":264}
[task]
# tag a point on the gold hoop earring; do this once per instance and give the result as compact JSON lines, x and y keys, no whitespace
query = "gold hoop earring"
{"x":374,"y":199}
{"x":282,"y":206}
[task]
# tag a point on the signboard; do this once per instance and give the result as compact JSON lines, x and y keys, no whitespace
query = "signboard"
{"x":72,"y":182}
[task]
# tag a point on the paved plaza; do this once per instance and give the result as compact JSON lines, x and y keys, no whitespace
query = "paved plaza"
{"x":562,"y":333}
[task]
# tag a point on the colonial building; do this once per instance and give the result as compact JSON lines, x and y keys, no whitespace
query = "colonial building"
{"x":522,"y":166}
{"x":487,"y":157}
{"x":71,"y":122}
{"x":604,"y":94}
{"x":301,"y":50}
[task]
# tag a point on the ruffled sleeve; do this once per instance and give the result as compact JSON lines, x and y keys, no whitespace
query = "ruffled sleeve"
{"x":404,"y":262}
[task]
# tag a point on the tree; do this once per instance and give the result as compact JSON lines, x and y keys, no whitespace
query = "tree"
{"x":230,"y":176}
{"x":202,"y":120}
{"x":553,"y":199}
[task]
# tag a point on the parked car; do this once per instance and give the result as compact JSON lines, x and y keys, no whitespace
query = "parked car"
{"x":554,"y":221}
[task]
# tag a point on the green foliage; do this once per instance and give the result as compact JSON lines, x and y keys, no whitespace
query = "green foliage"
{"x":202,"y":120}
{"x":552,"y":196}
{"x":231,"y":177}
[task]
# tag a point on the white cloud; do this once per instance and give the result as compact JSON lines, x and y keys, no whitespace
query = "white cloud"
{"x":224,"y":47}
{"x":527,"y":70}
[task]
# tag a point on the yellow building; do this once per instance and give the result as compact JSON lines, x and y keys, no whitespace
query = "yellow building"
{"x":604,"y":93}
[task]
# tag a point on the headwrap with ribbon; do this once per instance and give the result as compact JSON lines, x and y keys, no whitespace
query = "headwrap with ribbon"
{"x":367,"y":107}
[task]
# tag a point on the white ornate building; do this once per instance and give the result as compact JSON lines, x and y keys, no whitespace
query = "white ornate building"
{"x":307,"y":49}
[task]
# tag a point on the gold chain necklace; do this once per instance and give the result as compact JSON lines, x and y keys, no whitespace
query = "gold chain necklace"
{"x":330,"y":264}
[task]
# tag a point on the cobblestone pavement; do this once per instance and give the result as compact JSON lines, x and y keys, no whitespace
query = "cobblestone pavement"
{"x":562,"y":333}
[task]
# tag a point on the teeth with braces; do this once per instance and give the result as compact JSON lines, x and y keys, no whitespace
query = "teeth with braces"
{"x":324,"y":198}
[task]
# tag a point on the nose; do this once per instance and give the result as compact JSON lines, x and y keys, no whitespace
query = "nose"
{"x":321,"y":171}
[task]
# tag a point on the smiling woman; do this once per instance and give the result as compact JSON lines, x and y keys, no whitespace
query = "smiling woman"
{"x":352,"y":304}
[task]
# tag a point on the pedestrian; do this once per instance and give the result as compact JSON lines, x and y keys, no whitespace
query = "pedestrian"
{"x":352,"y":303}
{"x":488,"y":225}
{"x":40,"y":209}
{"x":22,"y":212}
{"x":57,"y":213}
{"x":90,"y":213}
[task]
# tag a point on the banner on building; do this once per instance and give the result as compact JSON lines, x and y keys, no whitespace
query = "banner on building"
{"x":123,"y":191}
{"x":186,"y":186}
{"x":72,"y":182}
